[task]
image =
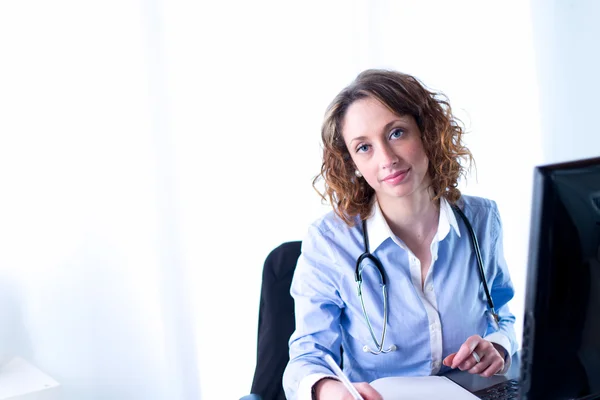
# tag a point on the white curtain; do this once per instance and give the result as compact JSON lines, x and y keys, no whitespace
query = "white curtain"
{"x":153,"y":153}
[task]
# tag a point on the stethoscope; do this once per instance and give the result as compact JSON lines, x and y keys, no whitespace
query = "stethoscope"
{"x":379,"y":345}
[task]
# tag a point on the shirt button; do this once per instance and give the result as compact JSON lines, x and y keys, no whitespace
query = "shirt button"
{"x":436,"y":364}
{"x":430,"y":288}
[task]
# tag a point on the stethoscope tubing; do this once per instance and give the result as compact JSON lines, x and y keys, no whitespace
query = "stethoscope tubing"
{"x":477,"y":251}
{"x":367,"y":255}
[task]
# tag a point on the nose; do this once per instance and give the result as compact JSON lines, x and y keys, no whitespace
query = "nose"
{"x":388,"y":157}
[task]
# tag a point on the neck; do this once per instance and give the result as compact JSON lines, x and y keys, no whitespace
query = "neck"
{"x":412,"y":218}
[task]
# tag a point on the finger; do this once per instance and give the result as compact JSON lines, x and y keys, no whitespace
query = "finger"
{"x":483,"y":349}
{"x":490,"y":360}
{"x":494,"y":368}
{"x":448,"y":360}
{"x":465,"y":350}
{"x":481,"y":366}
{"x":367,"y":391}
{"x":468,"y":364}
{"x":489,"y":354}
{"x":473,"y":361}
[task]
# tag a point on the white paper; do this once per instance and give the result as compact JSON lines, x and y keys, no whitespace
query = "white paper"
{"x":18,"y":378}
{"x":421,"y":387}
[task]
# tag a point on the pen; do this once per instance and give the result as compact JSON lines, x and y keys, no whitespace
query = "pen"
{"x":342,"y":377}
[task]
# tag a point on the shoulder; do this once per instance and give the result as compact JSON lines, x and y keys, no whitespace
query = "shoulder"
{"x":329,"y":235}
{"x":328,"y":242}
{"x":478,"y":205}
{"x":330,"y":225}
{"x":483,"y":213}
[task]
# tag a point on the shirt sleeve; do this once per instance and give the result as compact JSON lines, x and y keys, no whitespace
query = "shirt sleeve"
{"x":502,"y":291}
{"x":318,"y":307}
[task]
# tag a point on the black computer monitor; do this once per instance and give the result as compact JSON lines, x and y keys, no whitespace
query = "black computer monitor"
{"x":561,"y":334}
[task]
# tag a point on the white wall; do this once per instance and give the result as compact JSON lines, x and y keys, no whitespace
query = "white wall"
{"x":89,"y":274}
{"x":566,"y":40}
{"x":145,"y":144}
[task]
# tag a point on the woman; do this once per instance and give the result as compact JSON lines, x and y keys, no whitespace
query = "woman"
{"x":390,"y":167}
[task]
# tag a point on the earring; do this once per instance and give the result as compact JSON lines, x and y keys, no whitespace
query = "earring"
{"x":357,"y":173}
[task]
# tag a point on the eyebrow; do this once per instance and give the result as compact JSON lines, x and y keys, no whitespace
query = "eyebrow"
{"x":385,"y":128}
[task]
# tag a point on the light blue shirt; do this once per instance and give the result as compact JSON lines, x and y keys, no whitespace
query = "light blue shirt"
{"x":426,"y":322}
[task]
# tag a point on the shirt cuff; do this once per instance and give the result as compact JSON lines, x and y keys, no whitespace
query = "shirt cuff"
{"x":307,"y":383}
{"x":502,"y":340}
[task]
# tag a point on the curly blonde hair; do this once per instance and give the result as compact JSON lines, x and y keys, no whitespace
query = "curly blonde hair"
{"x":403,"y":95}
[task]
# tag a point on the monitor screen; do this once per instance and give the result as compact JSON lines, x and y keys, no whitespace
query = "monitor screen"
{"x":561,"y":333}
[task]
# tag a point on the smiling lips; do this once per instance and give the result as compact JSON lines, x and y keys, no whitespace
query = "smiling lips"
{"x":396,"y":177}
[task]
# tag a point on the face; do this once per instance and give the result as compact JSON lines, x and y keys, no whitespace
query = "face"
{"x":386,"y":149}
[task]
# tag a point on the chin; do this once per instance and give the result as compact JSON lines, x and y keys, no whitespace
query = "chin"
{"x":399,"y":193}
{"x":405,"y":191}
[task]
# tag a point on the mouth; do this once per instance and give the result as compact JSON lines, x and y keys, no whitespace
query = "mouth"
{"x":396,"y":177}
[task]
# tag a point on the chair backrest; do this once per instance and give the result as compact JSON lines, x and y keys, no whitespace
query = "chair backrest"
{"x":276,"y":321}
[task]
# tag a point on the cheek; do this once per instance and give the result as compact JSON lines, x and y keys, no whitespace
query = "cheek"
{"x":417,"y":155}
{"x":370,"y":176}
{"x":424,"y":160}
{"x":370,"y":173}
{"x":419,"y":160}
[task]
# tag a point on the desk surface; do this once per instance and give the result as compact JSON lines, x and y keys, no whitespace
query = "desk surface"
{"x":469,"y":381}
{"x":474,"y":383}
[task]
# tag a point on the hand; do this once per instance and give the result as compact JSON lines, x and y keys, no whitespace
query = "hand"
{"x":330,"y":389}
{"x":491,"y":360}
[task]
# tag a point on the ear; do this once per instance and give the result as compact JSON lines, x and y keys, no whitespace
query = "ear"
{"x":354,"y":169}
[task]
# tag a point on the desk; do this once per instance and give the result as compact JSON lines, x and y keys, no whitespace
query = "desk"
{"x":474,"y":383}
{"x":469,"y":381}
{"x":21,"y":380}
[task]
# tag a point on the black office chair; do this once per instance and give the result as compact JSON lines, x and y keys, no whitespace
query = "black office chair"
{"x":276,"y":322}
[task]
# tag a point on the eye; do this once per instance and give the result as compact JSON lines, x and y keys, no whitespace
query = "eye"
{"x":362,"y":148}
{"x":396,"y":133}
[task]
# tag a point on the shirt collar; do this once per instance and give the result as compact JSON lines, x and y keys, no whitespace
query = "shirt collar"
{"x":379,"y":230}
{"x":447,"y":220}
